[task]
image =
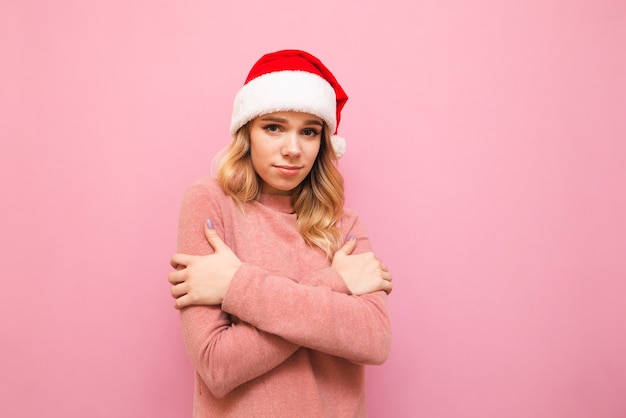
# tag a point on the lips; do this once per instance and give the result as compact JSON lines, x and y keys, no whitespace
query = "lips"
{"x":287,"y":170}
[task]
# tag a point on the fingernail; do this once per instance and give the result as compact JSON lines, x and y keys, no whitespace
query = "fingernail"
{"x":209,"y":224}
{"x":351,"y":237}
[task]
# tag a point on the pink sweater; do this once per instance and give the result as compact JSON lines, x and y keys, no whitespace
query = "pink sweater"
{"x":289,"y":340}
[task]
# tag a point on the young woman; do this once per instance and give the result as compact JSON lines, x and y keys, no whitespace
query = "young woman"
{"x":281,"y":300}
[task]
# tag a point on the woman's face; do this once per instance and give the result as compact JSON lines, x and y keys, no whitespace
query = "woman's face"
{"x":283,"y":148}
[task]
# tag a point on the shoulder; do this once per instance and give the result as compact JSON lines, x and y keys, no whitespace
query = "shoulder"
{"x":348,"y":220}
{"x":202,"y":200}
{"x":349,"y":214}
{"x":204,"y":193}
{"x":350,"y":224}
{"x":205,"y":186}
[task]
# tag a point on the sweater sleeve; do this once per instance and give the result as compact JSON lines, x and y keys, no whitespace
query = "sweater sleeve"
{"x":324,"y":318}
{"x":225,"y":353}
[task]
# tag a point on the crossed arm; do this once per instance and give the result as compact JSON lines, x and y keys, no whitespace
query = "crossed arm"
{"x":204,"y":280}
{"x":263,"y":318}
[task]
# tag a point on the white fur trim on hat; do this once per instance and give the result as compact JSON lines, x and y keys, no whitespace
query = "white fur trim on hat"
{"x":282,"y":91}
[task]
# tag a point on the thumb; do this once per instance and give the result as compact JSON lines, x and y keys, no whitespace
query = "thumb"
{"x":349,"y":246}
{"x":211,"y":236}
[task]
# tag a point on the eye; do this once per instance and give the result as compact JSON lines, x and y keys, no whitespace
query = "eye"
{"x":310,"y":132}
{"x":272,"y":127}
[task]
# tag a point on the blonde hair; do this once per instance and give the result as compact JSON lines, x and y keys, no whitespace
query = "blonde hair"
{"x":318,"y":201}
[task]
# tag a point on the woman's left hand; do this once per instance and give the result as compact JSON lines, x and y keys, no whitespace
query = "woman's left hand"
{"x":203,"y":280}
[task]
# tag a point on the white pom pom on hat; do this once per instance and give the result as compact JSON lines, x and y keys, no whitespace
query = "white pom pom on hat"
{"x":339,"y":145}
{"x":291,"y":80}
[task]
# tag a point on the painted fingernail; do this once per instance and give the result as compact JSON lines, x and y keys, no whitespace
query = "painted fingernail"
{"x":351,"y":237}
{"x":209,"y":224}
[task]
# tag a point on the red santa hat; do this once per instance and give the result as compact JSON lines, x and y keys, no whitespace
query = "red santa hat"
{"x":291,"y":80}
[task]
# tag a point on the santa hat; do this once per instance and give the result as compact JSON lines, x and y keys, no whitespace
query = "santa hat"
{"x":291,"y":80}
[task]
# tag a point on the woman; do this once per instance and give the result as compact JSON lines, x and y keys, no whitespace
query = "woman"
{"x":282,"y":301}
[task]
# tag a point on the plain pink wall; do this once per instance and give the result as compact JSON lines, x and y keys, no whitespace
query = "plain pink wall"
{"x":486,"y":154}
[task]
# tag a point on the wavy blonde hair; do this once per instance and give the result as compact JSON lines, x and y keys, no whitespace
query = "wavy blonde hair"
{"x":318,"y":201}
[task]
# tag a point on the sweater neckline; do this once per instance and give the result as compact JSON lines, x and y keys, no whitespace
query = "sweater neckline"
{"x":277,"y":203}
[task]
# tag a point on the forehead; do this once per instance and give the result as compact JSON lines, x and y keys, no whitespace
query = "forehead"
{"x":300,"y":118}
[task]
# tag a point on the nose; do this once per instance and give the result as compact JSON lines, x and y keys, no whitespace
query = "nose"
{"x":292,"y":145}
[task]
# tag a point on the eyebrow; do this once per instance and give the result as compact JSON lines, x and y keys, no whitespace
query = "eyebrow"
{"x":283,"y":120}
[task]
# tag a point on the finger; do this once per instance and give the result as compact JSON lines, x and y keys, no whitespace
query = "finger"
{"x":212,"y":237}
{"x":388,"y":287}
{"x":179,"y":290}
{"x":182,"y":302}
{"x":348,"y":246}
{"x":387,"y":276}
{"x":176,"y":277}
{"x":385,"y":285}
{"x":178,"y":260}
{"x":177,"y":266}
{"x":383,"y":267}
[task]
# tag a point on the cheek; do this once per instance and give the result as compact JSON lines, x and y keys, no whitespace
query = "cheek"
{"x":256,"y":160}
{"x":257,"y":152}
{"x":313,"y":149}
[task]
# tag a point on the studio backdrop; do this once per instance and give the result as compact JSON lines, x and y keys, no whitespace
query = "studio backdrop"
{"x":485,"y":154}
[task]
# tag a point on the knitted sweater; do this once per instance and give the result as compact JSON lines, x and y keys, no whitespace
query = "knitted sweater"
{"x":289,"y":339}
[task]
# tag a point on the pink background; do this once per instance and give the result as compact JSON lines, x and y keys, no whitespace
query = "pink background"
{"x":486,"y":155}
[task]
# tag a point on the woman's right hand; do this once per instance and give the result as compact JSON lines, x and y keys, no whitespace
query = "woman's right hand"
{"x":363,"y":273}
{"x":203,"y":279}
